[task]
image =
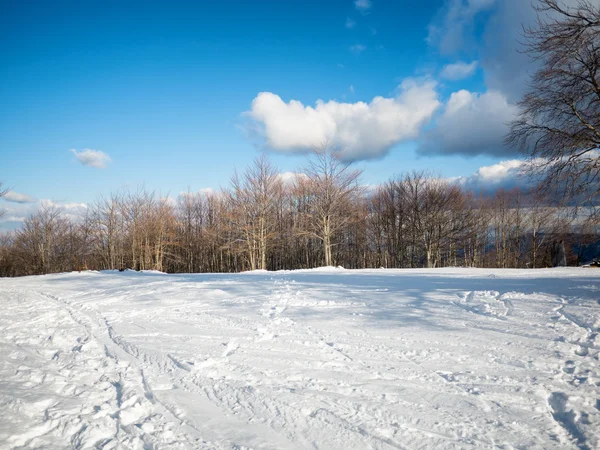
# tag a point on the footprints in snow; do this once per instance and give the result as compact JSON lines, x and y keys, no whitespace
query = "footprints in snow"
{"x":567,"y":419}
{"x":280,"y":297}
{"x":569,"y":367}
{"x":576,"y":415}
{"x":232,"y":347}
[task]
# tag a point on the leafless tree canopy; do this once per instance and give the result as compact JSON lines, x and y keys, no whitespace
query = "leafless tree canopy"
{"x":333,"y":188}
{"x":559,"y":123}
{"x":324,"y":217}
{"x":253,"y":198}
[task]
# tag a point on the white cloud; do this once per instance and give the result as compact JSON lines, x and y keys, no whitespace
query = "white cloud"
{"x":18,"y":212}
{"x":72,"y":211}
{"x":289,"y":178}
{"x":360,"y":130}
{"x":363,"y":5}
{"x":507,"y":174}
{"x":471,"y":124}
{"x":499,"y":171}
{"x":350,"y":23}
{"x":15,"y":197}
{"x":351,"y":89}
{"x":357,"y":49}
{"x":92,"y":158}
{"x":459,"y":70}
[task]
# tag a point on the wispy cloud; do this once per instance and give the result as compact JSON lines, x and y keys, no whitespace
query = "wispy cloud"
{"x":451,"y":29}
{"x":92,"y":158}
{"x":458,"y":70}
{"x":363,"y":5}
{"x":15,"y":197}
{"x":357,"y":49}
{"x":492,"y":30}
{"x":199,"y":192}
{"x":16,"y":213}
{"x":350,"y":23}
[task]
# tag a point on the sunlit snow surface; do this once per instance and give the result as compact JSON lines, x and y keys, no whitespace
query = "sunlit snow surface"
{"x":327,"y":359}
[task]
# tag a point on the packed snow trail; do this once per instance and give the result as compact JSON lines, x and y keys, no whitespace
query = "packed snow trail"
{"x":326,"y":359}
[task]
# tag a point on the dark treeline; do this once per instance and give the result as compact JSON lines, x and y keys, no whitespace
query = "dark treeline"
{"x":322,"y":217}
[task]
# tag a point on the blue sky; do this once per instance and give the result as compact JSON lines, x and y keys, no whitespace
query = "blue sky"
{"x":166,"y":89}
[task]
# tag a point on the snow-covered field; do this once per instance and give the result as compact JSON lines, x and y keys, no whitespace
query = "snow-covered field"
{"x":328,"y":359}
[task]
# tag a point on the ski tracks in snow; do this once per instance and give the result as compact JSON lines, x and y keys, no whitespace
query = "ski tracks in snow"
{"x":575,"y":414}
{"x":295,"y":360}
{"x":90,"y":394}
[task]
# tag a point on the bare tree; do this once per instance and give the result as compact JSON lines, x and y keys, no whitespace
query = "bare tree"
{"x":334,"y":189}
{"x":254,"y":198}
{"x":7,"y":255}
{"x":108,"y":231}
{"x":539,"y":218}
{"x":42,"y":242}
{"x":559,"y":123}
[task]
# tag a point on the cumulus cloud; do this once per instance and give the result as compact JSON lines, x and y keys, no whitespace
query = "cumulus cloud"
{"x":458,"y":70}
{"x":360,"y":130}
{"x":15,"y":197}
{"x":357,"y":49}
{"x":363,"y":5}
{"x":92,"y":158}
{"x":507,"y":174}
{"x":471,"y":124}
{"x":350,"y":23}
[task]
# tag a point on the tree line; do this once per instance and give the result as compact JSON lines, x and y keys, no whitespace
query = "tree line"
{"x":325,"y":216}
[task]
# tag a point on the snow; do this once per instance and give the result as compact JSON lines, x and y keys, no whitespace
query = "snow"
{"x":326,"y":359}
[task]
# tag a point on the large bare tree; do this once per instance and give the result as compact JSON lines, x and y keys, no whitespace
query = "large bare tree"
{"x":254,"y":198}
{"x":559,"y":123}
{"x":334,"y":190}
